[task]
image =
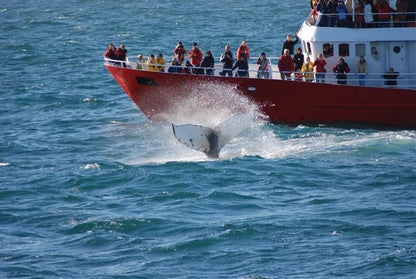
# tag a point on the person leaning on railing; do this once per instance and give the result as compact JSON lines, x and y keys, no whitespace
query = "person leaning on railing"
{"x":150,"y":63}
{"x":140,"y":61}
{"x":390,"y":77}
{"x":241,"y":66}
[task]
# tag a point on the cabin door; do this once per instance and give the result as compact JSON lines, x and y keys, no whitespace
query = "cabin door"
{"x":397,"y":57}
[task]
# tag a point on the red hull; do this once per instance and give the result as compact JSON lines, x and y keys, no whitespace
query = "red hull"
{"x":286,"y":102}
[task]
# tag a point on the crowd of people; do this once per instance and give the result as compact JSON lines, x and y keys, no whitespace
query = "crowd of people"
{"x":290,"y":63}
{"x":365,"y":13}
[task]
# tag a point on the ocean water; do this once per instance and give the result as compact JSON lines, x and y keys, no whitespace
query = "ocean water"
{"x":89,"y":188}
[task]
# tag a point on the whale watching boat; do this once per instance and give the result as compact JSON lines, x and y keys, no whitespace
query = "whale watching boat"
{"x":385,"y":100}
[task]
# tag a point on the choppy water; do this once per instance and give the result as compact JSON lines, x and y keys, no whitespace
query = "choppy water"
{"x":89,"y":188}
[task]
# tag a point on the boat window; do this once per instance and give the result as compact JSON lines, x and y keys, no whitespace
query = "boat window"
{"x":309,"y":48}
{"x":360,"y":50}
{"x":328,"y":50}
{"x":397,"y":49}
{"x":344,"y":50}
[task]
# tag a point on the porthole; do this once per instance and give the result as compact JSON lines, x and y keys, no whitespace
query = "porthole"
{"x":251,"y":88}
{"x":397,"y":49}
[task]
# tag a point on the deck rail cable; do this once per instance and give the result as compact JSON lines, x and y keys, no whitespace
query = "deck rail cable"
{"x":399,"y":80}
{"x":316,"y":18}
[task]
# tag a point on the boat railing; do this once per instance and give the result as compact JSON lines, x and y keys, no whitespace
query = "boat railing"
{"x":399,"y":80}
{"x":356,"y":20}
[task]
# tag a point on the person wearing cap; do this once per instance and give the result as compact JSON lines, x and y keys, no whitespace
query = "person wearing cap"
{"x":196,"y":56}
{"x":140,"y":62}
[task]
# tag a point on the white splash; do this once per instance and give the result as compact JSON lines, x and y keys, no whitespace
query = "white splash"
{"x":92,"y":166}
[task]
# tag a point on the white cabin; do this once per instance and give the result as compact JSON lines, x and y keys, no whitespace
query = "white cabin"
{"x":395,"y":46}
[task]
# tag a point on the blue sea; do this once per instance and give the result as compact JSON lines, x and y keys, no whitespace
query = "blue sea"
{"x":89,"y":188}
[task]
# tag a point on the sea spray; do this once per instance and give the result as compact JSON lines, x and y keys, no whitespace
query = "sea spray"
{"x":207,"y":104}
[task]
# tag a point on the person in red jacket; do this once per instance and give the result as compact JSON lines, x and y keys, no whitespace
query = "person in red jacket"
{"x":179,"y":52}
{"x":384,"y":10}
{"x":286,"y":65}
{"x":110,"y":53}
{"x":320,"y":68}
{"x":196,"y":56}
{"x":243,"y":50}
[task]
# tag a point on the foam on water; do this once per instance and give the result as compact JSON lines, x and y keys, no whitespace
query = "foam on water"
{"x":262,"y":139}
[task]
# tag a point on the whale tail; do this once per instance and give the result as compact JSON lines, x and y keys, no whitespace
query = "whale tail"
{"x":208,"y":140}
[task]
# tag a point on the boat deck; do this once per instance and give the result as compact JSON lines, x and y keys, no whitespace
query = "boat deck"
{"x":404,"y":80}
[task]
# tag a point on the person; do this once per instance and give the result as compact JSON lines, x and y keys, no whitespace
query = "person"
{"x":313,"y":3}
{"x":243,"y":50}
{"x":264,"y":66}
{"x":342,"y":11}
{"x":298,"y":75}
{"x":176,"y":67}
{"x":307,"y":70}
{"x":383,"y":8}
{"x":179,"y":52}
{"x":341,"y":69}
{"x":289,"y":44}
{"x":390,"y":77}
{"x":110,"y":53}
{"x":359,"y":15}
{"x":122,"y":53}
{"x":207,"y":64}
{"x":350,"y":8}
{"x":227,"y":61}
{"x":374,"y":53}
{"x":321,"y":8}
{"x":402,"y":6}
{"x":242,"y":67}
{"x":150,"y":63}
{"x":331,"y":12}
{"x":140,"y":61}
{"x":160,"y":63}
{"x":299,"y":59}
{"x":368,"y":13}
{"x":362,"y":71}
{"x":286,"y":65}
{"x":187,"y":69}
{"x":196,"y":56}
{"x":320,"y":71}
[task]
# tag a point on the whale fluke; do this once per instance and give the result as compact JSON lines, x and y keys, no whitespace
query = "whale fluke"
{"x":208,"y":140}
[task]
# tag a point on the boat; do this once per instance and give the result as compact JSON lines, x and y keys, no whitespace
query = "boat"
{"x":378,"y":103}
